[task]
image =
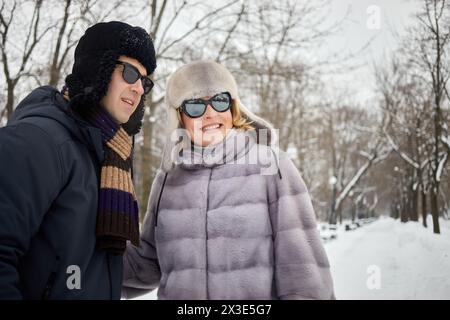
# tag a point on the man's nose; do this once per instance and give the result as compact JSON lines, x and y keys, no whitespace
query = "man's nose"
{"x":138,"y":87}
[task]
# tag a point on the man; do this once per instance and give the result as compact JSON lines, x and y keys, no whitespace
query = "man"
{"x":67,"y":201}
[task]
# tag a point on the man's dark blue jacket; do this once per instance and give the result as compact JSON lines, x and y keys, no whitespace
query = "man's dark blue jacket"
{"x":49,"y":174}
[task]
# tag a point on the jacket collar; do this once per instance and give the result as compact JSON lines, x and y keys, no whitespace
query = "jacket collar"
{"x":232,"y":149}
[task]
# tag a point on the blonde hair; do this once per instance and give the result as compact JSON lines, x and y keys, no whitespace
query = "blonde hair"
{"x":239,"y":122}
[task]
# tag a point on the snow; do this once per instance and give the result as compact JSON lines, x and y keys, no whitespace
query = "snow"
{"x":352,"y":183}
{"x":403,"y":155}
{"x":387,"y":259}
{"x":149,"y":296}
{"x":446,"y":140}
{"x":413,"y":263}
{"x":441,"y":167}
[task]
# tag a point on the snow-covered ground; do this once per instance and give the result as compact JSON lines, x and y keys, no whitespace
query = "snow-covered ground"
{"x":387,"y":259}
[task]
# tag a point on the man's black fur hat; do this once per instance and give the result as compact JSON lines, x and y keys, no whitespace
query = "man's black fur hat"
{"x":95,"y":60}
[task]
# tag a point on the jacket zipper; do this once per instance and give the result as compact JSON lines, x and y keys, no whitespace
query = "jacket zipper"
{"x":109,"y":277}
{"x":49,"y":286}
{"x":206,"y":233}
{"x":51,"y":280}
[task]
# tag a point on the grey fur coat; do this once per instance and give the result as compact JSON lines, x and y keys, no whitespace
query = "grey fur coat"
{"x":233,"y":222}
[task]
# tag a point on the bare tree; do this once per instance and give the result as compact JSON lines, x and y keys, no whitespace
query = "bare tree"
{"x":433,"y":36}
{"x":377,"y":153}
{"x":406,"y":102}
{"x":77,"y":15}
{"x":349,"y":140}
{"x":276,"y":75}
{"x":16,"y":54}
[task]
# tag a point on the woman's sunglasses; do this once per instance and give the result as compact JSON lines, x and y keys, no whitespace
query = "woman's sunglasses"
{"x":195,"y":108}
{"x":131,"y":74}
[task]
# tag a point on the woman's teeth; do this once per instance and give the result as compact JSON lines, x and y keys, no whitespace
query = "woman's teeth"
{"x":211,"y":127}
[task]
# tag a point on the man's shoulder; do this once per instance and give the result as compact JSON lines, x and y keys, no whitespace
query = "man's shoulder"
{"x":42,"y":111}
{"x":45,"y":128}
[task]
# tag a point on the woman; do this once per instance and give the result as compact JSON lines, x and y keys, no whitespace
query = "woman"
{"x":220,"y":223}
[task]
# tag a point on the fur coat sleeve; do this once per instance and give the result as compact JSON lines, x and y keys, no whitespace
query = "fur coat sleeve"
{"x":141,"y":271}
{"x":302,"y":270}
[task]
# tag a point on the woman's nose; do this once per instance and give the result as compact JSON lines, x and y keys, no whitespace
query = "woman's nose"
{"x":210,"y":112}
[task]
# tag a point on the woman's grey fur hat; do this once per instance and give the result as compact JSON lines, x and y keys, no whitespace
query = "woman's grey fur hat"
{"x":200,"y":79}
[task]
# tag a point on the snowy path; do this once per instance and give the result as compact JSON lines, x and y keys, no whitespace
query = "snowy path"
{"x":412,"y":262}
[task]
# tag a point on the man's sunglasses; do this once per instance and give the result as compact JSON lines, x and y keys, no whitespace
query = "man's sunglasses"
{"x":131,"y":74}
{"x":195,"y":108}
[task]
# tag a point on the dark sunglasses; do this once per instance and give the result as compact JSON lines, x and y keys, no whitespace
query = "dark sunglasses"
{"x":131,"y":74}
{"x":195,"y":108}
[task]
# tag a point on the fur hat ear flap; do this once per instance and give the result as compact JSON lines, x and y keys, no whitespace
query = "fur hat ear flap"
{"x":86,"y":93}
{"x":267,"y":135}
{"x":81,"y":97}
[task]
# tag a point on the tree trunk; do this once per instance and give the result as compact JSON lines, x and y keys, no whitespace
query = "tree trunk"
{"x":353,"y":212}
{"x":424,"y":208}
{"x":54,"y":76}
{"x":10,"y":101}
{"x":404,"y":207}
{"x":434,"y":210}
{"x":403,"y":215}
{"x":333,"y":213}
{"x":339,"y":211}
{"x":395,"y":209}
{"x":438,"y":91}
{"x":414,"y":204}
{"x":146,"y":168}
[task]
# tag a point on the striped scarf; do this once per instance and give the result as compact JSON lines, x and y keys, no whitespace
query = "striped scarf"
{"x":117,"y":217}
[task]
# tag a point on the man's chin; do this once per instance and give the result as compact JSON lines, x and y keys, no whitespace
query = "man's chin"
{"x":123,"y":119}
